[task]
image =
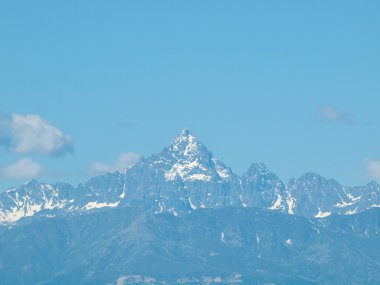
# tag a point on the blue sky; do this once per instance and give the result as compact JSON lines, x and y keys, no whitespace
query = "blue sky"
{"x":86,"y":87}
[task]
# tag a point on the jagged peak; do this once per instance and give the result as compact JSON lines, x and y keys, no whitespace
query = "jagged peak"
{"x":31,"y":183}
{"x":186,"y":132}
{"x":188,"y":146}
{"x":258,"y":168}
{"x":185,"y":137}
{"x":312,"y":177}
{"x":187,"y":158}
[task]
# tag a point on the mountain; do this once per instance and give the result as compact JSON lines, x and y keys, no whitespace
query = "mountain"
{"x":32,"y":198}
{"x":183,"y":217}
{"x":263,"y":189}
{"x":183,"y":177}
{"x":315,"y":196}
{"x":49,"y":200}
{"x":126,"y":245}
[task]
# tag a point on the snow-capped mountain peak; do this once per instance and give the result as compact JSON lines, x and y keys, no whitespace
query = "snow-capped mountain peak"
{"x":186,"y":146}
{"x":190,"y":160}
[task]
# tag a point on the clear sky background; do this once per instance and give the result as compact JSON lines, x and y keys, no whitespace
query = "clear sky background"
{"x":86,"y":85}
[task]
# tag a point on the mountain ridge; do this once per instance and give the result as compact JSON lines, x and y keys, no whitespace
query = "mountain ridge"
{"x":184,"y":177}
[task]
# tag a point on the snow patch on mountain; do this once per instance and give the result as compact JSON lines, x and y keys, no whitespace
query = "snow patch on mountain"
{"x":352,"y":198}
{"x":223,"y":172}
{"x":277,"y":204}
{"x":191,"y":204}
{"x":222,"y":237}
{"x":352,"y":212}
{"x":344,"y":204}
{"x":185,"y":170}
{"x":321,"y":214}
{"x":291,"y":204}
{"x":289,"y":241}
{"x":97,"y":205}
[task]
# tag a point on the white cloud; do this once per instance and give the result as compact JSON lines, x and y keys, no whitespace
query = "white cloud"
{"x":123,"y":161}
{"x":373,"y":167}
{"x":27,"y":134}
{"x":24,"y":168}
{"x":332,"y":115}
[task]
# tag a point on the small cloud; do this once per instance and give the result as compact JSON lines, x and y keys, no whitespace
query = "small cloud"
{"x":332,"y":115}
{"x":31,"y":134}
{"x":373,"y":168}
{"x":124,"y":160}
{"x":24,"y":168}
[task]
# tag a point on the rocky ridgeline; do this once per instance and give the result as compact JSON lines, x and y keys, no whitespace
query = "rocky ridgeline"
{"x":185,"y":177}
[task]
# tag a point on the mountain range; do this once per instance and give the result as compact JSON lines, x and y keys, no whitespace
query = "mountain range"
{"x":183,"y":217}
{"x":184,"y":177}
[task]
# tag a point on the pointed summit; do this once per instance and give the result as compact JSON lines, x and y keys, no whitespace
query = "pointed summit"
{"x":188,"y":159}
{"x":185,"y":145}
{"x":312,"y":178}
{"x":33,"y":183}
{"x":185,"y":136}
{"x":258,"y":168}
{"x":186,"y":132}
{"x":262,"y":188}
